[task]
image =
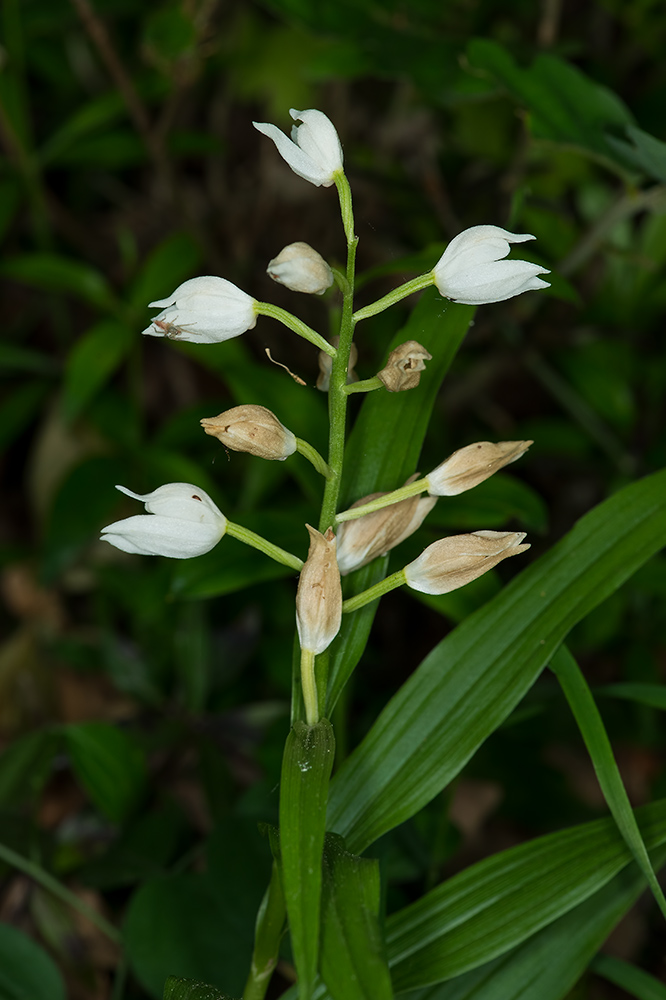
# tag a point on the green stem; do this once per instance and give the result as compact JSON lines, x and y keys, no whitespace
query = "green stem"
{"x":309,"y":687}
{"x":52,"y":885}
{"x":366,"y":385}
{"x":295,"y":324}
{"x":257,"y":542}
{"x":374,"y":592}
{"x":337,"y":397}
{"x":313,"y":456}
{"x":415,"y":285}
{"x":410,"y":490}
{"x":269,"y":929}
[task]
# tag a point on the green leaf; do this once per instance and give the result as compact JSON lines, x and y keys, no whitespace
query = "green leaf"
{"x":306,"y":769}
{"x":25,"y":359}
{"x":84,"y":502}
{"x":565,"y":105}
{"x":494,"y":905}
{"x":200,"y":926}
{"x":109,"y":766}
{"x":596,"y":740}
{"x":19,"y":409}
{"x":170,"y":263}
{"x":382,"y":452}
{"x":92,"y":362}
{"x":644,"y":150}
{"x":653,"y":695}
{"x":97,"y":114}
{"x":173,"y":926}
{"x":474,"y":678}
{"x":353,"y":955}
{"x":26,"y":971}
{"x":636,"y":981}
{"x":25,"y":765}
{"x":547,"y":965}
{"x":53,"y":273}
{"x":190,"y":989}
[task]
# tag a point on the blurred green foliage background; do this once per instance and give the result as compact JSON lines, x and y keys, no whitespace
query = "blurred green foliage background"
{"x":142,"y":729}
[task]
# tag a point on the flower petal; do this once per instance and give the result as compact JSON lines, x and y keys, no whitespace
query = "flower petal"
{"x":155,"y":535}
{"x":298,"y":160}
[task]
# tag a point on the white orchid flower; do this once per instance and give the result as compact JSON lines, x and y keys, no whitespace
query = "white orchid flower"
{"x":314,"y":151}
{"x":182,"y":522}
{"x":471,"y":269}
{"x":204,"y":310}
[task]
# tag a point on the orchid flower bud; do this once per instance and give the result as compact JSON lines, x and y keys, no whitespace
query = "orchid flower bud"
{"x":182,"y":522}
{"x":365,"y":538}
{"x":326,"y":366}
{"x":313,"y":151}
{"x":301,"y":269}
{"x":319,"y":595}
{"x":471,"y":269}
{"x":204,"y":310}
{"x":469,"y":466}
{"x":452,"y":562}
{"x":404,"y":366}
{"x":253,"y":429}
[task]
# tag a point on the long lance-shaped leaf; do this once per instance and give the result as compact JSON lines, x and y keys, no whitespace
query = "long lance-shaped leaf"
{"x":636,"y":981}
{"x":494,"y":905}
{"x":474,"y":678}
{"x":549,"y":964}
{"x":353,"y":956}
{"x":383,"y":449}
{"x":306,"y":769}
{"x":592,"y":730}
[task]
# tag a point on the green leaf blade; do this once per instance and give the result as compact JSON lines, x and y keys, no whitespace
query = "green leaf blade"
{"x":109,"y":766}
{"x":353,"y":958}
{"x":306,"y":768}
{"x":596,"y":740}
{"x":496,"y":904}
{"x":474,"y":678}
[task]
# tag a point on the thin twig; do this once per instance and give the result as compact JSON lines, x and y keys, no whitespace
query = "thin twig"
{"x":100,"y":36}
{"x":627,"y":205}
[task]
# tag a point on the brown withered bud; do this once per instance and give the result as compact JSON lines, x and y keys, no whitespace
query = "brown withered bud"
{"x":469,"y":466}
{"x":365,"y":538}
{"x":452,"y":562}
{"x":300,"y":268}
{"x":253,"y":429}
{"x":404,"y":366}
{"x":326,"y":366}
{"x":319,"y":595}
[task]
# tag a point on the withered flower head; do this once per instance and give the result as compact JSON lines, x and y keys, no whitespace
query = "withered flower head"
{"x":469,"y":466}
{"x":404,"y":366}
{"x":253,"y":429}
{"x":365,"y":538}
{"x":319,"y":595}
{"x":452,"y":562}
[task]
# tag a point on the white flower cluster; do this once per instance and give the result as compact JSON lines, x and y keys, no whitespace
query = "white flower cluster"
{"x":182,"y":521}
